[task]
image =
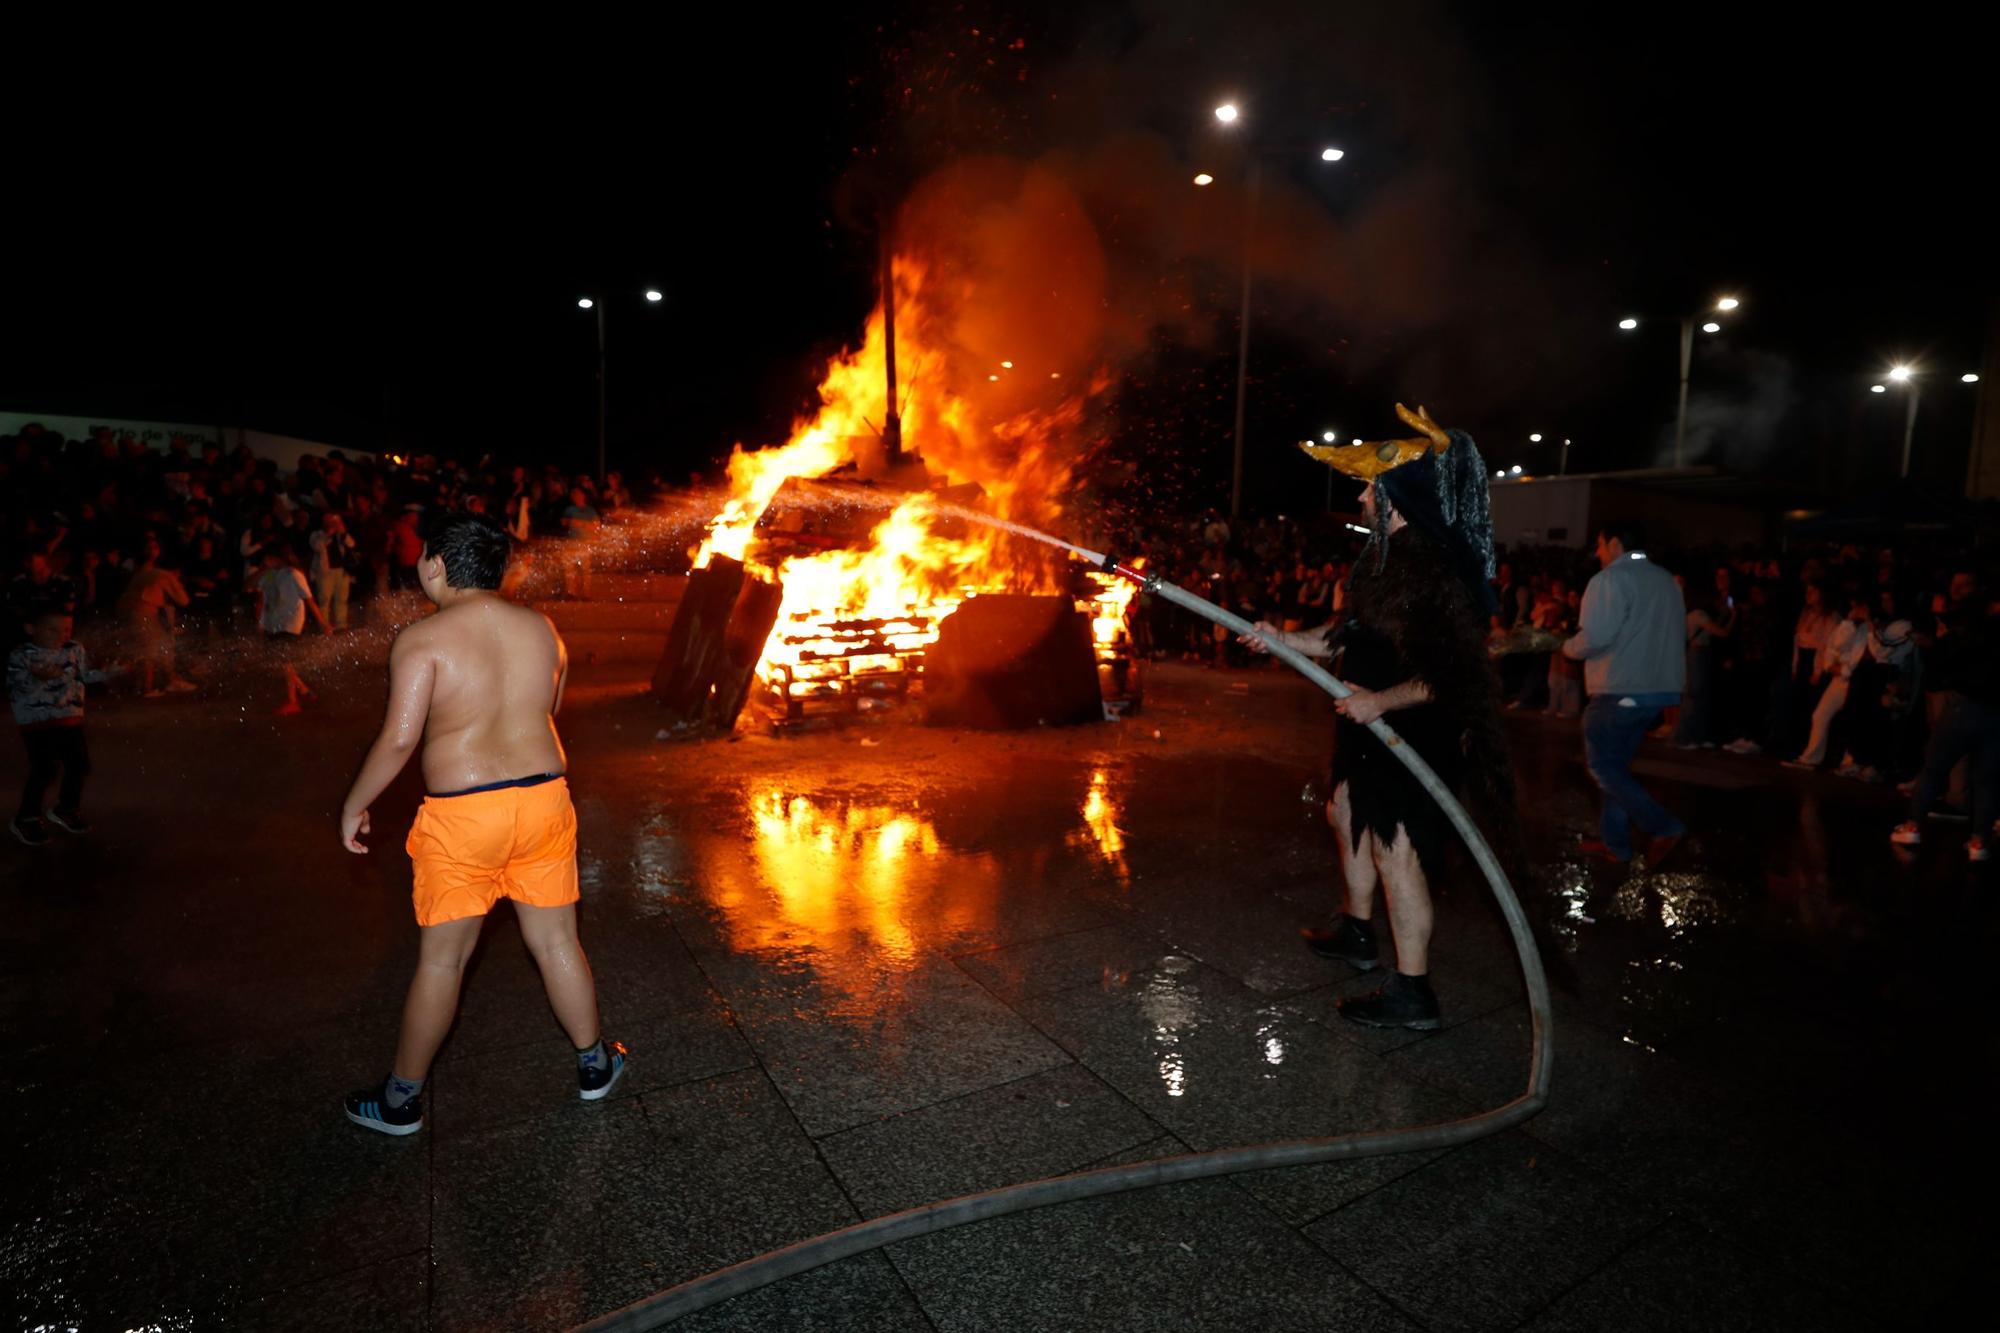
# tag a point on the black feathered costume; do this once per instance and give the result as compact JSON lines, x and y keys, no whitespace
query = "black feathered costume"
{"x":1416,"y":609}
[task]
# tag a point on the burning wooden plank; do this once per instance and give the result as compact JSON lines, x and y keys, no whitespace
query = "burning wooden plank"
{"x":710,"y":660}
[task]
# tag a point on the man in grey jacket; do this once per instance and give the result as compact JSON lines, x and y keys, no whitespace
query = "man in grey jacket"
{"x":1632,"y":643}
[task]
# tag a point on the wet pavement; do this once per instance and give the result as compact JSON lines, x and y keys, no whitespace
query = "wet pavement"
{"x":869,"y":968}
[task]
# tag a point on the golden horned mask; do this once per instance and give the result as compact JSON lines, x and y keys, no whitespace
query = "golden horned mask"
{"x":1367,"y":461}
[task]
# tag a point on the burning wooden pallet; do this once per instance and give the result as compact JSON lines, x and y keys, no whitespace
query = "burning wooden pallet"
{"x":710,"y":660}
{"x":841,"y":663}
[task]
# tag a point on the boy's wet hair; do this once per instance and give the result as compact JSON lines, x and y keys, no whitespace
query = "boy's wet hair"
{"x":472,"y":546}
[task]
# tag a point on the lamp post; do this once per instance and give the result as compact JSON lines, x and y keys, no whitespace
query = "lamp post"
{"x":595,"y":304}
{"x":1228,"y":115}
{"x":1906,"y":375}
{"x":1723,"y":306}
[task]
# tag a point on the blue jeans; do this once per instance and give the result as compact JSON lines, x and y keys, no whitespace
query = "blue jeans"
{"x":1611,"y":736}
{"x":1968,"y":730}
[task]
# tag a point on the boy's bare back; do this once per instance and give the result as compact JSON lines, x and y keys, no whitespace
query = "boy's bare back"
{"x":490,"y":674}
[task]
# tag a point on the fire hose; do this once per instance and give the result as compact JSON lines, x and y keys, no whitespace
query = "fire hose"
{"x":698,"y":1293}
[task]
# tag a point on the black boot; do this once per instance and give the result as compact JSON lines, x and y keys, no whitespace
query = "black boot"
{"x":1403,"y":1002}
{"x":1351,"y":940}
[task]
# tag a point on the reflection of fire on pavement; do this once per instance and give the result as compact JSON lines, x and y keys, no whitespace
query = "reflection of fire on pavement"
{"x":825,"y":874}
{"x":1100,"y":830}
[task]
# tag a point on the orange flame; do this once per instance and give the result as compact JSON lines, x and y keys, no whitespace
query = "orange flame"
{"x":853,"y":611}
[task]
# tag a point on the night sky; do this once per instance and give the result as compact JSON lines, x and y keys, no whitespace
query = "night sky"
{"x":385,"y":251}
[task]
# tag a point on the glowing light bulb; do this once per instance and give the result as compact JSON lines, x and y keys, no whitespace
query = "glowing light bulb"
{"x":1327,"y":435}
{"x":1727,"y":303}
{"x":1006,"y":365}
{"x":584,"y":303}
{"x":1711,"y":327}
{"x":1331,"y":154}
{"x":1204,"y":179}
{"x":1516,"y":469}
{"x":1536,"y":438}
{"x":1901,"y":374}
{"x":1968,"y":379}
{"x":655,"y":295}
{"x":1878,"y":388}
{"x":1628,"y":323}
{"x":1226,"y":113}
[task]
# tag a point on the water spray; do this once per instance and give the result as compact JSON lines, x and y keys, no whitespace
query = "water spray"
{"x":699,"y":1293}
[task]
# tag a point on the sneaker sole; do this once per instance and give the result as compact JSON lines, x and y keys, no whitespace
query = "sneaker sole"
{"x":599,"y":1094}
{"x":26,"y":840}
{"x":69,"y":828}
{"x":383,"y":1127}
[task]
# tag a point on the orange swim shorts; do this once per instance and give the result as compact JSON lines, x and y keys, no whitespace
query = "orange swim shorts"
{"x":472,"y":849}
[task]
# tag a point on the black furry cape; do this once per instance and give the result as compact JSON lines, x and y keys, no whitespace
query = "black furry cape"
{"x":1411,"y":617}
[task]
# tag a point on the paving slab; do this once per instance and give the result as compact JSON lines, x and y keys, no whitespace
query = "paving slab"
{"x":1484,"y":1236}
{"x":1046,"y":1124}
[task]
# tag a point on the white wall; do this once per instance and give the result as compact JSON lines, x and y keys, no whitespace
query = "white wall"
{"x":1548,"y":511}
{"x":282,"y":449}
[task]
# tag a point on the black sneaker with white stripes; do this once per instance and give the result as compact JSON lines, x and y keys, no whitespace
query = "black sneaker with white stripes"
{"x":370,"y":1108}
{"x":595,"y":1082}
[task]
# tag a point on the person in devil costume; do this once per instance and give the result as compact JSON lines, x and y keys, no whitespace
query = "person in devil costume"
{"x":1411,"y":643}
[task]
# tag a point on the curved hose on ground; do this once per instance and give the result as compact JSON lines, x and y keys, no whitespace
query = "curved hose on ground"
{"x":663,"y":1306}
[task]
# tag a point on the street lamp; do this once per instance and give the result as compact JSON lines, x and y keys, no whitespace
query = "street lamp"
{"x":1536,"y":438}
{"x":653,"y":296}
{"x":1228,"y":115}
{"x":1906,"y":375}
{"x":1723,"y":305}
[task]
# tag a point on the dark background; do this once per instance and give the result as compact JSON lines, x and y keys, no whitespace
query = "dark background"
{"x":378,"y":241}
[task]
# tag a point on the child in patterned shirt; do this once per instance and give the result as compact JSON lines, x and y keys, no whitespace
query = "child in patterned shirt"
{"x":45,"y":680}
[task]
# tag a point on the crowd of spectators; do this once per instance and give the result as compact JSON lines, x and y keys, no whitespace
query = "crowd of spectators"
{"x":148,"y":548}
{"x":1873,"y":663}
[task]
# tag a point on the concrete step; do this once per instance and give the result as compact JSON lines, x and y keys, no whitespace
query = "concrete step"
{"x":598,"y":647}
{"x":613,"y":586}
{"x":596,"y":615}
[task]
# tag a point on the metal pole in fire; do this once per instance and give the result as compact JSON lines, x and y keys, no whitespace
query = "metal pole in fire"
{"x":1243,"y":335}
{"x":892,"y":421}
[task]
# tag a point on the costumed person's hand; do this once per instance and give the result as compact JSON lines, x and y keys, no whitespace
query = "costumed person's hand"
{"x":1257,"y":642}
{"x":1360,"y":707}
{"x":352,"y":826}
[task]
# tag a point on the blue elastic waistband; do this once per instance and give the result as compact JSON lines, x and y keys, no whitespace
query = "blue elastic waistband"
{"x":534,"y":781}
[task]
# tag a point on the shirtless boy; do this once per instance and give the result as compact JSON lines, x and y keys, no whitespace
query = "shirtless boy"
{"x":480,"y":682}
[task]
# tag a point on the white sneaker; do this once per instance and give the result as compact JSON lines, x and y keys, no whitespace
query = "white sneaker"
{"x":1907,"y":835}
{"x":1975,"y":849}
